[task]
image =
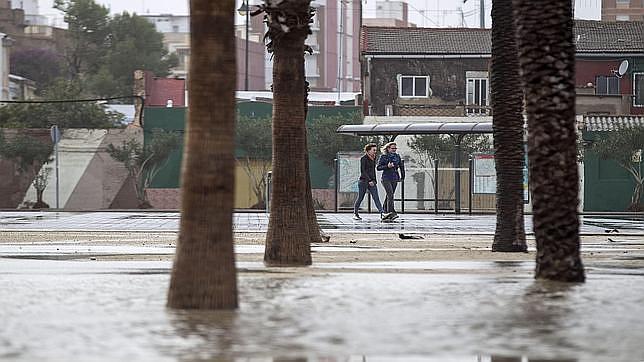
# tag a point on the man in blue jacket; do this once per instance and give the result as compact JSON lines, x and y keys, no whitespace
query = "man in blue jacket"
{"x":390,"y":164}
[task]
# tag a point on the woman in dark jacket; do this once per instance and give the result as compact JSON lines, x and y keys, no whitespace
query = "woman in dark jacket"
{"x":367,"y":180}
{"x":390,"y":164}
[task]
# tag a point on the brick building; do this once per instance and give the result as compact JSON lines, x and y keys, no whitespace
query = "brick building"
{"x":622,"y":10}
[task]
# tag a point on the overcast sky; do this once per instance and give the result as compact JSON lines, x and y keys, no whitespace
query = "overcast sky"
{"x":429,"y":13}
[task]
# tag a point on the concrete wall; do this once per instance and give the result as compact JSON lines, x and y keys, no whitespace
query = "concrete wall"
{"x":89,"y":178}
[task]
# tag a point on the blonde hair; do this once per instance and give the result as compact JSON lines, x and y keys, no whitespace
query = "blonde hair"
{"x":385,"y":148}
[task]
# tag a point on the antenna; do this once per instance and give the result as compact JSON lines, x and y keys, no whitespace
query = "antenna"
{"x":623,"y":68}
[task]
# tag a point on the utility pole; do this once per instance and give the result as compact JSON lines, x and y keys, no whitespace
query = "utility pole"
{"x":340,"y":51}
{"x":244,"y":10}
{"x":481,"y":13}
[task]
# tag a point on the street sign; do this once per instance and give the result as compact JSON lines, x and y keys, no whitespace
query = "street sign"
{"x":54,"y":132}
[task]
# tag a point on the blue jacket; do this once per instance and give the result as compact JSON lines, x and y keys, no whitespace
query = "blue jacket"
{"x":391,"y":174}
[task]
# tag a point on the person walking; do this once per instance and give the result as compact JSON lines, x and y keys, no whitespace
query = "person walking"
{"x":390,"y":164}
{"x":367,"y":181}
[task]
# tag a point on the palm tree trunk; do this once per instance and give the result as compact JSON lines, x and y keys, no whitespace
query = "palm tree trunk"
{"x":288,"y":236}
{"x":315,"y":231}
{"x":204,"y":274}
{"x":507,"y":106}
{"x":547,"y":59}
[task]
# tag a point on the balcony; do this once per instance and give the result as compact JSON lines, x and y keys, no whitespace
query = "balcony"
{"x":443,"y":110}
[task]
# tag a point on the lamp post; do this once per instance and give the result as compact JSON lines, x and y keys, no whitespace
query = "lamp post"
{"x":244,"y":10}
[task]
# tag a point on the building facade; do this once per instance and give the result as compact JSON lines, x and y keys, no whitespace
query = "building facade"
{"x":333,"y":66}
{"x":622,"y":10}
{"x":442,"y":75}
{"x":445,"y":71}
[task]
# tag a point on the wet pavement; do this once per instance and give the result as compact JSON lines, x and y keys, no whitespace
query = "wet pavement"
{"x":425,"y":311}
{"x":258,"y":222}
{"x":69,"y":297}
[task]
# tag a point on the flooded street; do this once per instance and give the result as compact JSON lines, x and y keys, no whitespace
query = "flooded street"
{"x":442,"y":311}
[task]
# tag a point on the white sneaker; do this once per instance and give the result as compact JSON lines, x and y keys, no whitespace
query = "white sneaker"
{"x":356,"y":217}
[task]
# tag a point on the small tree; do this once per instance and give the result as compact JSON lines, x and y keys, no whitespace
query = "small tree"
{"x":325,"y":143}
{"x":624,"y":146}
{"x":143,"y":163}
{"x":63,"y":114}
{"x":40,"y":183}
{"x":29,"y":154}
{"x":41,"y":65}
{"x":253,"y":137}
{"x":429,"y":148}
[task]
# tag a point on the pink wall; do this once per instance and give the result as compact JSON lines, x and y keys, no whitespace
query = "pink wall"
{"x":255,"y":64}
{"x":331,"y":26}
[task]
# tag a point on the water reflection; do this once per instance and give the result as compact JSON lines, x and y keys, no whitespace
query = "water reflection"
{"x":207,"y":334}
{"x":72,"y":310}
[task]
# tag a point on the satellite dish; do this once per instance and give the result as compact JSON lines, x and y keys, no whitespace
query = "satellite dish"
{"x":623,"y":67}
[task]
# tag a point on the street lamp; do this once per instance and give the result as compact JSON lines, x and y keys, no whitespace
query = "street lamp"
{"x":244,"y":10}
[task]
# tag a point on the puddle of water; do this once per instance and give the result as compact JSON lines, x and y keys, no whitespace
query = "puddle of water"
{"x":116,"y":311}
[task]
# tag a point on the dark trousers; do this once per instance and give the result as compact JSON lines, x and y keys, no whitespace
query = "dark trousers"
{"x":363,"y":186}
{"x":390,"y":188}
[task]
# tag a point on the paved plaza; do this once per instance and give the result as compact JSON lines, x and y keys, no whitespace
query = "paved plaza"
{"x":146,"y":221}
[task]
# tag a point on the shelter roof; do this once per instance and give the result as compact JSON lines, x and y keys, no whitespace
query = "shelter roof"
{"x":416,"y":128}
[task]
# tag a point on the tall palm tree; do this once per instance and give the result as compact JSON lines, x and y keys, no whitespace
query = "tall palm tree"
{"x":204,"y":275}
{"x":315,"y":232}
{"x":288,"y":236}
{"x":547,"y":59}
{"x":507,"y":106}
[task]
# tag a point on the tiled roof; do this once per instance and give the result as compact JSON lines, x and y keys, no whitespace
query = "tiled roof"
{"x":611,"y":123}
{"x":426,"y":40}
{"x":590,"y":36}
{"x":614,"y":36}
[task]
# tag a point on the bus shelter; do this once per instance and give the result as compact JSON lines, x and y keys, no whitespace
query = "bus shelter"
{"x":455,"y":130}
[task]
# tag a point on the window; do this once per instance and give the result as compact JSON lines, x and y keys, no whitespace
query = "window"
{"x":622,"y":18}
{"x":183,"y":54}
{"x":477,"y":92}
{"x":606,"y":85}
{"x":413,"y":86}
{"x":638,"y":89}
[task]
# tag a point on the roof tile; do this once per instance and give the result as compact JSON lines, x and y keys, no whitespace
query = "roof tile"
{"x":591,"y":37}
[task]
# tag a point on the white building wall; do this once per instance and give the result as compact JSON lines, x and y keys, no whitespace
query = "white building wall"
{"x":29,"y":6}
{"x":5,"y":44}
{"x":169,"y":23}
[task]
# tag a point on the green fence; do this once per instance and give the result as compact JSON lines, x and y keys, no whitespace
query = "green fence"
{"x":607,"y":186}
{"x":174,"y":119}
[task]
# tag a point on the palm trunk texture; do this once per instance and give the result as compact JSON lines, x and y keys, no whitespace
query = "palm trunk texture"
{"x":315,"y":231}
{"x":288,"y":236}
{"x":547,"y":59}
{"x":204,"y":274}
{"x":507,"y":106}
